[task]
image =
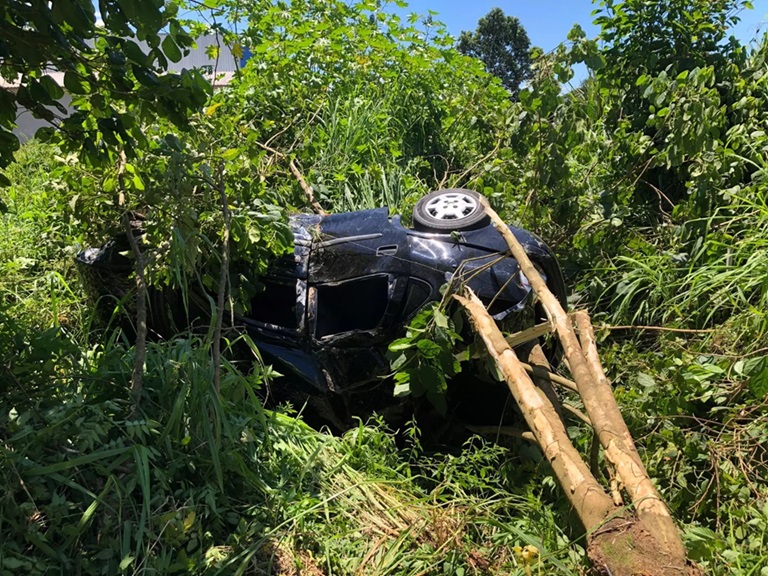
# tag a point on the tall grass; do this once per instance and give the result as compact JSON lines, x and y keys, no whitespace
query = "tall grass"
{"x":37,"y":245}
{"x":215,"y":484}
{"x":199,"y":482}
{"x":358,"y":165}
{"x":718,"y":270}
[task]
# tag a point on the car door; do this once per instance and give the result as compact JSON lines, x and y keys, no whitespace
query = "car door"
{"x":279,"y":310}
{"x":358,"y":272}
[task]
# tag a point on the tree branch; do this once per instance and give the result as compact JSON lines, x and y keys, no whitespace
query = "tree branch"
{"x":299,"y":178}
{"x":223,"y":279}
{"x":137,"y":375}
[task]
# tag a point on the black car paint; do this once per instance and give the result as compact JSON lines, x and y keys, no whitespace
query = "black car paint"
{"x":351,"y":285}
{"x":338,"y":344}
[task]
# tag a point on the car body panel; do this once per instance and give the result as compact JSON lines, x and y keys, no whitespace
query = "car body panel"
{"x":367,"y":275}
{"x":328,"y":311}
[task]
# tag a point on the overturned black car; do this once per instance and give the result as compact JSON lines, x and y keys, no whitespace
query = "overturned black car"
{"x":328,"y":311}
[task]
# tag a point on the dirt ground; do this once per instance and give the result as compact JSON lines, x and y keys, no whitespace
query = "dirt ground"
{"x":623,"y":547}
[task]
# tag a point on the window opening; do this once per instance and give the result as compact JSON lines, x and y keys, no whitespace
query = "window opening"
{"x":277,"y":303}
{"x":357,"y":304}
{"x":416,"y":296}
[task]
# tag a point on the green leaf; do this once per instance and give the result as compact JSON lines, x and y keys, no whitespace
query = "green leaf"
{"x":51,"y":87}
{"x":438,"y":400}
{"x":645,"y":380}
{"x":756,"y":370}
{"x":402,"y":389}
{"x":78,"y":13}
{"x":230,"y":154}
{"x":428,"y":348}
{"x":79,"y":461}
{"x":138,"y":183}
{"x":254,"y":234}
{"x":75,"y":83}
{"x":440,"y":319}
{"x":399,"y":362}
{"x":91,"y":510}
{"x":402,"y":344}
{"x":12,"y":564}
{"x":209,"y":111}
{"x":189,"y":521}
{"x":125,"y":562}
{"x":171,"y":50}
{"x":134,"y":53}
{"x":145,"y":76}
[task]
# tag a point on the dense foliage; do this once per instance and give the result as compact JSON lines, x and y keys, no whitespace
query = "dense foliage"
{"x":114,"y":85}
{"x":502,"y":44}
{"x":649,"y":178}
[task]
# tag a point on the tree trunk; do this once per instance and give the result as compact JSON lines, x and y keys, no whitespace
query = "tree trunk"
{"x":223,"y":279}
{"x":137,"y":375}
{"x":586,"y":495}
{"x":619,"y":543}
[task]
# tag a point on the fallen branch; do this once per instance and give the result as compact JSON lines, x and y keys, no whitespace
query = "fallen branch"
{"x":299,"y":178}
{"x":307,"y":188}
{"x":620,"y":448}
{"x":540,"y":372}
{"x":542,"y":376}
{"x":578,"y":413}
{"x":530,"y":334}
{"x":586,"y":495}
{"x":654,"y":529}
{"x":510,"y":431}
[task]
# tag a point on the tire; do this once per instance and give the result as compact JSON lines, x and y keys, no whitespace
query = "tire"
{"x":453,"y":209}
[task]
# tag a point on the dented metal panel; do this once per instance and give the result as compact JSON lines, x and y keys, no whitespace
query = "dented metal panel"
{"x":354,"y":280}
{"x":348,"y":247}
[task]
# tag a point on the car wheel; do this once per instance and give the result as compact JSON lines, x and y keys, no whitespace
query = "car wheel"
{"x":449,"y":210}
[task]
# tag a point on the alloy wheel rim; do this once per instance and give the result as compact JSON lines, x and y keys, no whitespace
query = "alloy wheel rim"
{"x":452,"y":206}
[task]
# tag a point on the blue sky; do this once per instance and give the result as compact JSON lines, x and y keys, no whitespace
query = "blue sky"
{"x":548,"y":21}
